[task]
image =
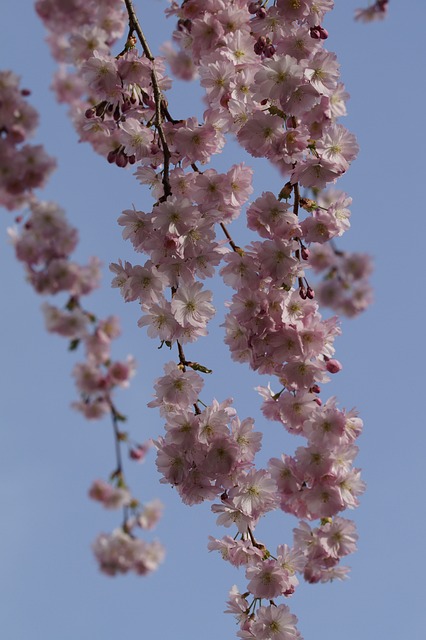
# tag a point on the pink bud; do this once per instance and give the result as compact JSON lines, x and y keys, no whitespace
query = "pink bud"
{"x":259,"y":47}
{"x":305,"y":253}
{"x":315,"y":388}
{"x":261,"y":13}
{"x":310,"y":293}
{"x":318,"y":401}
{"x":139,"y":451}
{"x":121,"y":160}
{"x":333,"y":366}
{"x":111,"y":156}
{"x":269,"y":51}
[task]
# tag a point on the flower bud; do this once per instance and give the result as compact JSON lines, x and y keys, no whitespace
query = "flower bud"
{"x":259,"y":46}
{"x":112,"y":156}
{"x":139,"y":451}
{"x":121,"y":160}
{"x":333,"y":366}
{"x":269,"y":51}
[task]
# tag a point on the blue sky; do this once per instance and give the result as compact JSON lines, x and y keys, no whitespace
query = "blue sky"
{"x":50,"y":587}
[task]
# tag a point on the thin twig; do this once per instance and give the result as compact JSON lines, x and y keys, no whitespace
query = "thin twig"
{"x":160,"y":102}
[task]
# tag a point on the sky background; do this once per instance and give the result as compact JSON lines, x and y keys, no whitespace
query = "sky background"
{"x":50,"y":587}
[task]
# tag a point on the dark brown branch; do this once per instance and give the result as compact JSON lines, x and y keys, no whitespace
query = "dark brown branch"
{"x":160,"y":102}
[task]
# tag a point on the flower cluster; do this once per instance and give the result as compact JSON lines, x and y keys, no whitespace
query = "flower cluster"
{"x":280,"y":94}
{"x":270,"y":82}
{"x":119,"y":552}
{"x":345,"y":287}
{"x":179,"y":237}
{"x":23,"y":167}
{"x":44,"y":243}
{"x":111,"y":98}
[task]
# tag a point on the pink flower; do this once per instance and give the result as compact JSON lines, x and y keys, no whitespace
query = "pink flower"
{"x":191,"y":305}
{"x":177,"y":387}
{"x":278,"y":78}
{"x":101,"y":74}
{"x":260,"y":132}
{"x":119,"y":372}
{"x":196,"y":143}
{"x":338,"y":145}
{"x":267,"y":579}
{"x":255,"y":494}
{"x":323,"y":72}
{"x":217,"y":77}
{"x":160,"y":321}
{"x":275,"y":623}
{"x":71,"y":324}
{"x":136,"y":138}
{"x":111,"y":497}
{"x":118,"y":552}
{"x":221,"y":458}
{"x":338,"y":538}
{"x":315,"y":172}
{"x":377,"y":11}
{"x":150,"y":515}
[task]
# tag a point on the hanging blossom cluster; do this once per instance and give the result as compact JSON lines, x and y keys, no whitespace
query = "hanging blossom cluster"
{"x":270,"y":82}
{"x":345,"y":287}
{"x":23,"y":167}
{"x":114,"y":101}
{"x":43,"y":242}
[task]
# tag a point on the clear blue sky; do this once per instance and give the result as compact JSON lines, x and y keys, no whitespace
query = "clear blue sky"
{"x":50,"y":588}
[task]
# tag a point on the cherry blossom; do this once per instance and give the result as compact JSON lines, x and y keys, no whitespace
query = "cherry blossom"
{"x":271,"y":84}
